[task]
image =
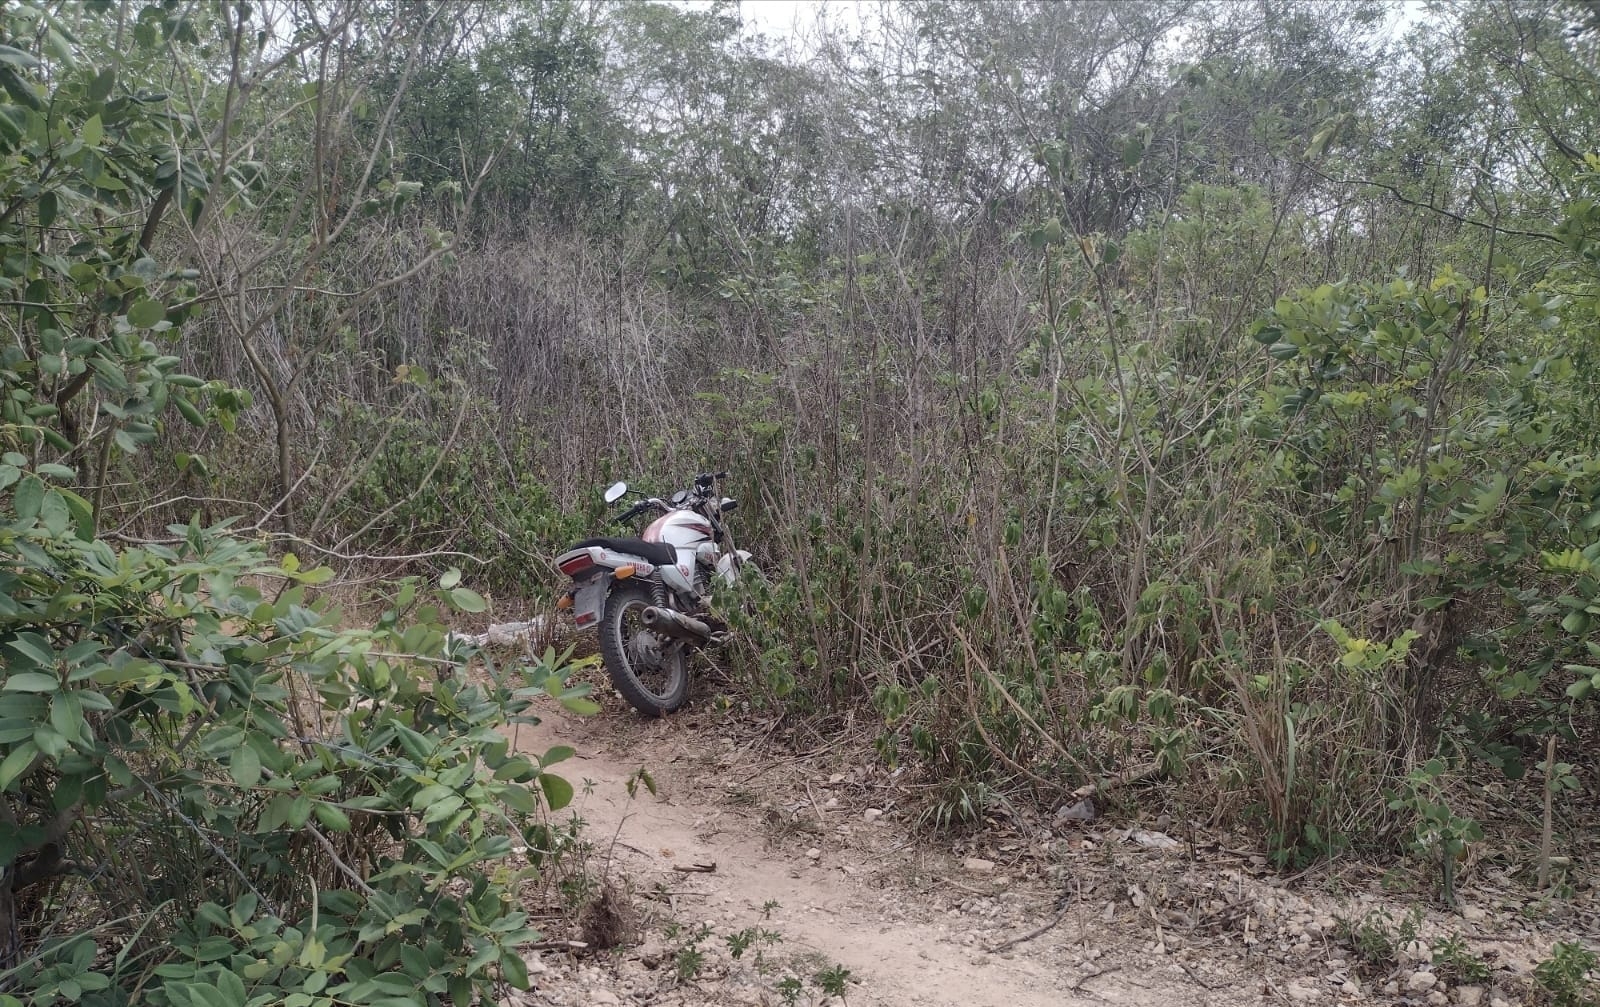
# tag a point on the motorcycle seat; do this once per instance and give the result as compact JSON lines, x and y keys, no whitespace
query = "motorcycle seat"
{"x":656,"y":553}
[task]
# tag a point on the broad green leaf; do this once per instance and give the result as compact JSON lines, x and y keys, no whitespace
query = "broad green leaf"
{"x":245,"y":766}
{"x":468,"y":600}
{"x":13,"y":765}
{"x":557,"y":753}
{"x":146,"y":313}
{"x":92,"y":131}
{"x":450,"y":578}
{"x":557,"y":791}
{"x":31,"y":681}
{"x":33,"y":647}
{"x":332,"y":817}
{"x":29,"y":497}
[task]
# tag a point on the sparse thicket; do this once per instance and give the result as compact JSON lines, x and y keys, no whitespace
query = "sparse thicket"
{"x":1196,"y":392}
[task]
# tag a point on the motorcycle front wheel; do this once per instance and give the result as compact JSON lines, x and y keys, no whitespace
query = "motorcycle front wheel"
{"x":649,"y":669}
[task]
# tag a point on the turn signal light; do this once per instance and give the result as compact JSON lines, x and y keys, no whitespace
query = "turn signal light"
{"x":565,"y":602}
{"x":623,"y":572}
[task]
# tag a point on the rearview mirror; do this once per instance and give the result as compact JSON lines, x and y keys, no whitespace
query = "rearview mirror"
{"x":615,"y":492}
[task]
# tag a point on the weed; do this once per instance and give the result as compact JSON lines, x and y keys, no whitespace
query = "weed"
{"x":1565,"y":976}
{"x":740,"y":942}
{"x":790,"y":989}
{"x":1457,"y":963}
{"x":1377,"y":939}
{"x":688,"y":961}
{"x":833,"y":980}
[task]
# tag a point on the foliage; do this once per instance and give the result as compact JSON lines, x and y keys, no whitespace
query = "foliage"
{"x":200,"y":765}
{"x":1565,"y":975}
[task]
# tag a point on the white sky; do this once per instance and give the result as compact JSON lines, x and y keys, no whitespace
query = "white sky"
{"x":780,"y":17}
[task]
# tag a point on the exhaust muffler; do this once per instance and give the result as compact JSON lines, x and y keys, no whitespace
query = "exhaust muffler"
{"x":675,"y":624}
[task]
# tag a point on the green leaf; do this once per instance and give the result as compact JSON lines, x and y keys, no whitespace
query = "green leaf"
{"x":33,"y":647}
{"x":557,"y":753}
{"x":441,"y":809}
{"x":29,"y":495}
{"x":332,"y":817}
{"x":519,"y":798}
{"x":580,"y":705}
{"x":48,"y":206}
{"x":557,"y":791}
{"x":20,"y":759}
{"x":16,"y":57}
{"x":31,"y":681}
{"x":515,"y":970}
{"x":92,"y":131}
{"x":100,"y":86}
{"x":468,"y":600}
{"x":245,"y":766}
{"x":66,"y":715}
{"x":450,"y":579}
{"x":146,"y":313}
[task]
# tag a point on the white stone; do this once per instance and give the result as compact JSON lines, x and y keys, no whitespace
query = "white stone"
{"x":603,"y":997}
{"x":1437,"y":998}
{"x":1302,"y":994}
{"x":871,"y":814}
{"x":813,"y":853}
{"x":978,"y":865}
{"x":1469,"y":996}
{"x":1420,"y":981}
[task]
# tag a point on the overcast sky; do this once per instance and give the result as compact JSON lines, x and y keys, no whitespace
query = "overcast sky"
{"x":778,"y":17}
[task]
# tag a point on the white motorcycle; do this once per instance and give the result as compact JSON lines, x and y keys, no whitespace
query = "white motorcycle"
{"x":650,"y":596}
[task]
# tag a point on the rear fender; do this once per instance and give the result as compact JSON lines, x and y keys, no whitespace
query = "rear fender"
{"x":581,"y":564}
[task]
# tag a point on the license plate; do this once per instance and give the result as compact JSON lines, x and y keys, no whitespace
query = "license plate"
{"x":588,"y":600}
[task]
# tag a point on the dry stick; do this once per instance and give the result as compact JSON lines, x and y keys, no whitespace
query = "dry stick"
{"x":1031,"y":934}
{"x":1544,"y":842}
{"x":339,"y":862}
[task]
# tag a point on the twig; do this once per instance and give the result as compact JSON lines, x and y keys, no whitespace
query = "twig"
{"x":1197,"y":980}
{"x":821,"y":819}
{"x":710,"y":868}
{"x":1075,"y":985}
{"x":1544,"y":840}
{"x":338,"y":861}
{"x":1030,"y":935}
{"x":557,"y":946}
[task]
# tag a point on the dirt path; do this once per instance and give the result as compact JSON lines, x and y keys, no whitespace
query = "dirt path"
{"x":817,"y":851}
{"x":845,"y":893}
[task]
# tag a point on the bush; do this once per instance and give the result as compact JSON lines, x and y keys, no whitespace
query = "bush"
{"x":201,"y":768}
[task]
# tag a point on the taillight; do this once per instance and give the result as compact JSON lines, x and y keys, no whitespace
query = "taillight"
{"x":577,"y":564}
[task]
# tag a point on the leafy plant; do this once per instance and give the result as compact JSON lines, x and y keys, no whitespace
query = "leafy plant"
{"x":1565,"y":975}
{"x":1438,"y":833}
{"x":1457,"y":963}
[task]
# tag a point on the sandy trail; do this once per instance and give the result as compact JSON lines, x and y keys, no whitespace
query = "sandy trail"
{"x":844,"y":904}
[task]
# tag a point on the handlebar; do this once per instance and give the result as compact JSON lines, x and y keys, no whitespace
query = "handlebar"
{"x":702,"y":483}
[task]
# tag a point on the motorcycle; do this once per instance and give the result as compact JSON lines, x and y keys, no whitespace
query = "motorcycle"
{"x":650,"y":596}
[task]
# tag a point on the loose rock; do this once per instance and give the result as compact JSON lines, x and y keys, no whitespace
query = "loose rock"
{"x":1421,"y":982}
{"x":978,"y":865}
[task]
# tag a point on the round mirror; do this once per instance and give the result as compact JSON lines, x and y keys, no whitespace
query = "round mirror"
{"x":615,"y":492}
{"x":680,"y":496}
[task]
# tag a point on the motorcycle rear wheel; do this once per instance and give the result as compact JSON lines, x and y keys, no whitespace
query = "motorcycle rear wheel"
{"x":649,"y":669}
